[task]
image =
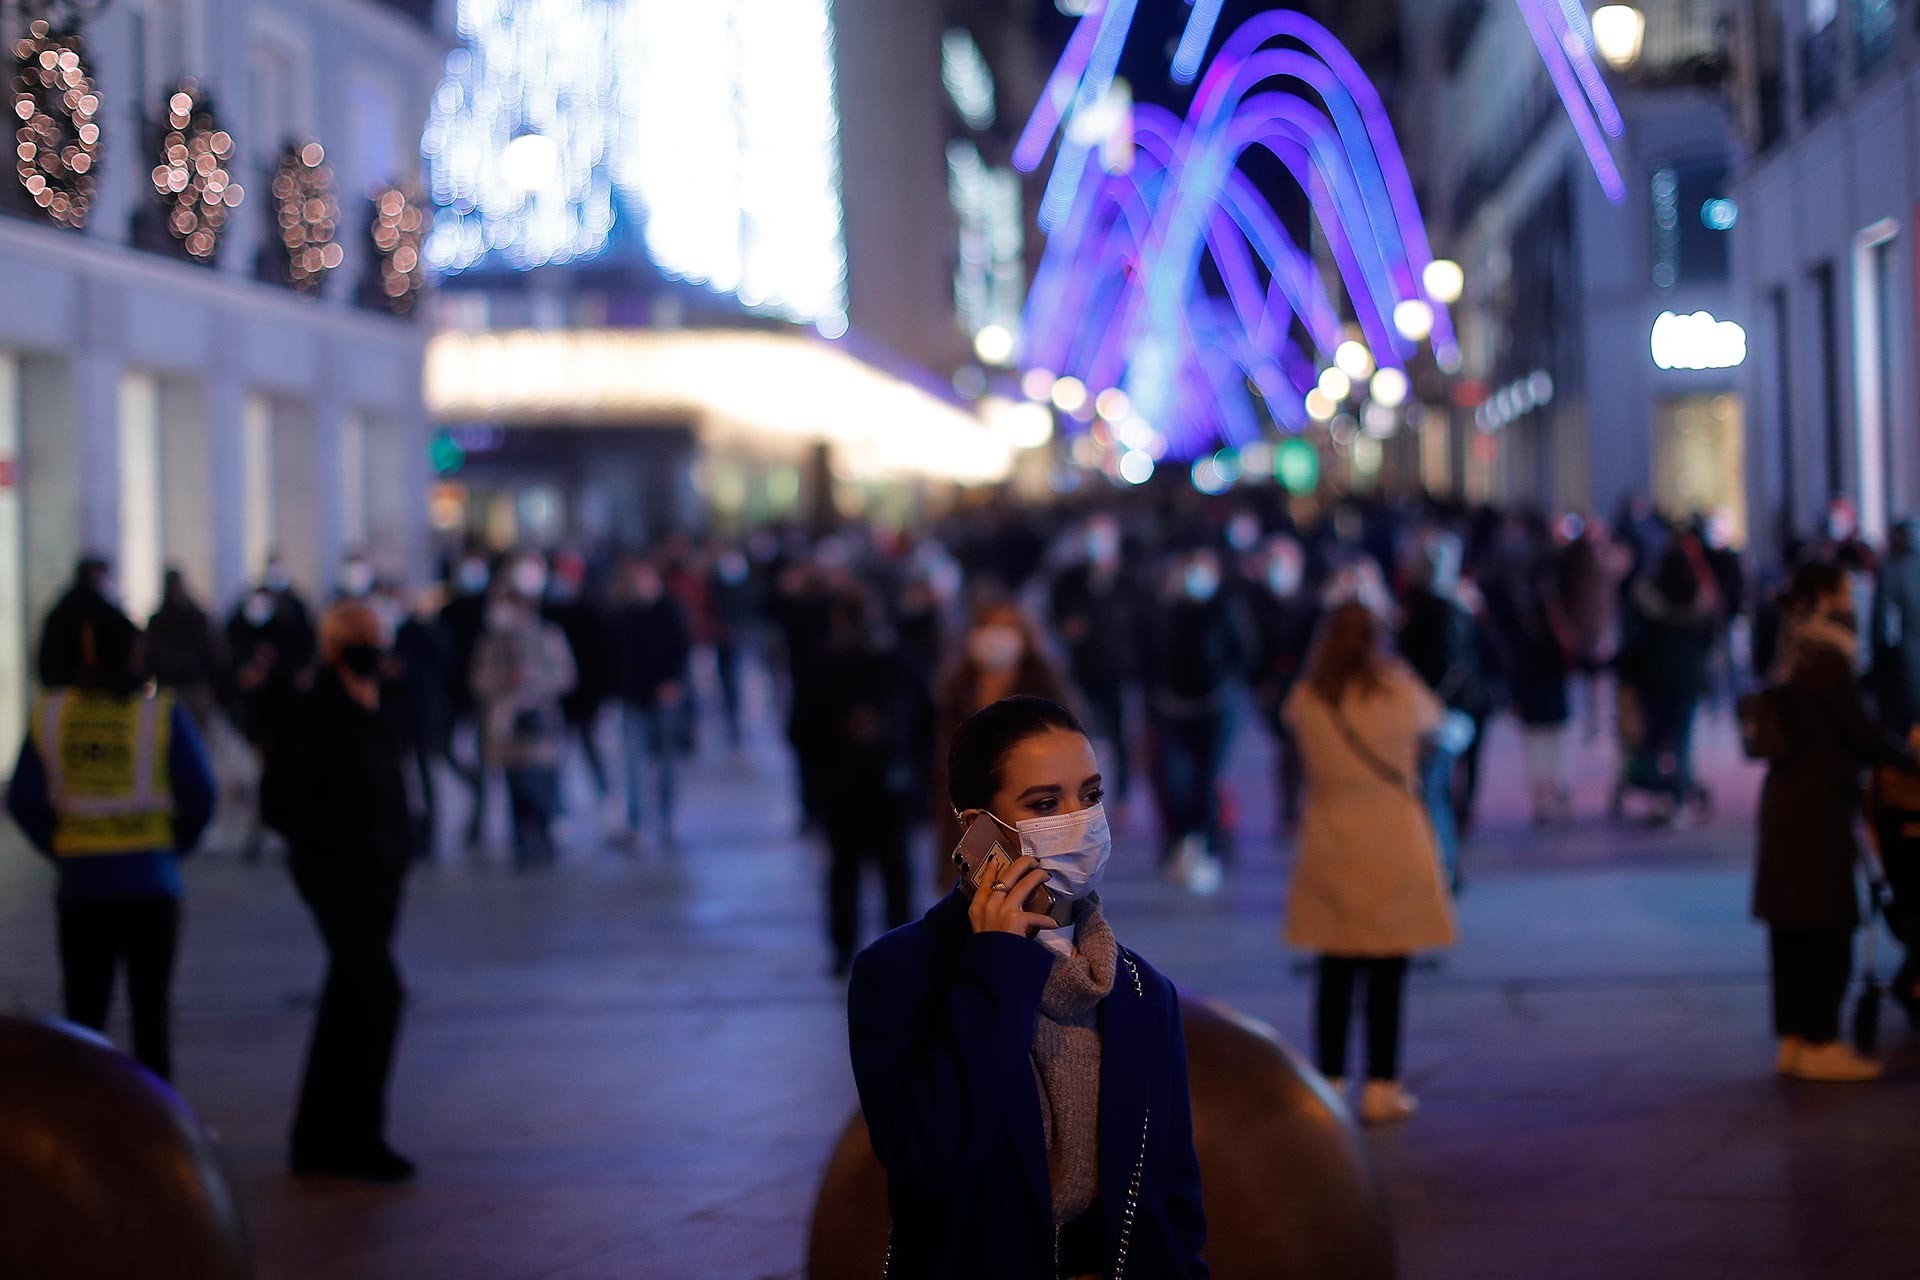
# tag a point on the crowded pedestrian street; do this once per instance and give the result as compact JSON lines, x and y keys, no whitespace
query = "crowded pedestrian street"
{"x":636,"y":1066}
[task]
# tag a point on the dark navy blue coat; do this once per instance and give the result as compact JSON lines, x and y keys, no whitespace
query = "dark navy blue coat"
{"x":942,"y":1023}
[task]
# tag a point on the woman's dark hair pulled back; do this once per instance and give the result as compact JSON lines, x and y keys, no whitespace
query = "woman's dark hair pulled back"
{"x":980,"y":745}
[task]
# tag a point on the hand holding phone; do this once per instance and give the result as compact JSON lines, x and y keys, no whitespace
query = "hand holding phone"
{"x":1023,"y":903}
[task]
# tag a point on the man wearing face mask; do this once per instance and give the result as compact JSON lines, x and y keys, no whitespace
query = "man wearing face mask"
{"x":270,"y":644}
{"x":1093,"y":611}
{"x":1284,"y":619}
{"x":653,"y":645}
{"x":1200,"y":652}
{"x":334,"y":788}
{"x":522,"y":668}
{"x":463,"y":618}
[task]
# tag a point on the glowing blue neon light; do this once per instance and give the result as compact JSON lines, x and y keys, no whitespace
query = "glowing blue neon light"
{"x":1194,"y":40}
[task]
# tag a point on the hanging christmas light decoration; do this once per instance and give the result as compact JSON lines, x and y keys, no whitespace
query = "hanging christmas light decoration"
{"x":307,"y":214}
{"x":58,"y":138}
{"x":399,"y":231}
{"x":192,"y":179}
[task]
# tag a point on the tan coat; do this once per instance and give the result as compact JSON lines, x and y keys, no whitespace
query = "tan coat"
{"x":1366,"y":878}
{"x":519,"y":677}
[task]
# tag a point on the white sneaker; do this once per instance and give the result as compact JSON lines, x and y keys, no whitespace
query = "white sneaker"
{"x":1791,"y":1047}
{"x":1385,"y":1102}
{"x":1834,"y":1062}
{"x":1205,"y":876}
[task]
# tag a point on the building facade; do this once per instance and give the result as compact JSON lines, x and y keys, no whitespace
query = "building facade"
{"x":1829,"y":200}
{"x":1592,"y":368}
{"x":168,"y":402}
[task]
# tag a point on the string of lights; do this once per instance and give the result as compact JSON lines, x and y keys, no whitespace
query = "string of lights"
{"x":192,"y":179}
{"x":399,"y":230}
{"x":57,"y":142}
{"x":306,"y":215}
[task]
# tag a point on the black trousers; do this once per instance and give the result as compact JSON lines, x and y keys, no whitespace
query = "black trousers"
{"x":1811,"y":969}
{"x":96,"y":938}
{"x":1386,"y":979}
{"x":853,"y":841}
{"x":343,"y":1095}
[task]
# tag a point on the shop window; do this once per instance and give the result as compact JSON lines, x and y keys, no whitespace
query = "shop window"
{"x":1699,"y":465}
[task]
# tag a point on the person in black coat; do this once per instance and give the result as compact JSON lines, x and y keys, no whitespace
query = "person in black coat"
{"x":462,"y":620}
{"x":1896,"y":629}
{"x":334,"y":788}
{"x":1093,"y":610}
{"x":859,"y":713}
{"x":1671,"y":619}
{"x":588,"y":628}
{"x":1200,"y":650}
{"x":1025,"y":1085}
{"x":653,"y":645}
{"x":732,"y":608}
{"x":416,"y":680}
{"x":1285,"y":616}
{"x":182,"y":652}
{"x":1443,"y":640}
{"x":58,"y":662}
{"x":1804,"y":880}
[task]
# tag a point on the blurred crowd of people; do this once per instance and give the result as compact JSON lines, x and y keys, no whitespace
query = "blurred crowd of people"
{"x":1171,"y":628}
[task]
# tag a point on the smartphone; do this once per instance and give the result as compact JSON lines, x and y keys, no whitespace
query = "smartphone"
{"x":985,"y":855}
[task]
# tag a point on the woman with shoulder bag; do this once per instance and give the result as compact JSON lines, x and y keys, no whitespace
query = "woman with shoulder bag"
{"x":1024,"y":1081}
{"x":1367,"y":889}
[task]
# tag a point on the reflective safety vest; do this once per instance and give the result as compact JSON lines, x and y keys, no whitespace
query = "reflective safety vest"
{"x":108,"y":779}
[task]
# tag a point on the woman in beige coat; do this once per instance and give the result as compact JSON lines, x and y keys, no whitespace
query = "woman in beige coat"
{"x":1367,"y":887}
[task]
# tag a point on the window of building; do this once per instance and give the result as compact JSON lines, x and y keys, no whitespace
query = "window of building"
{"x":1820,"y":56}
{"x":1827,"y":317}
{"x":1873,"y":34}
{"x":1781,"y":310}
{"x":276,"y":87}
{"x":373,"y":132}
{"x":161,"y":36}
{"x":1770,"y":80}
{"x":1873,"y":291}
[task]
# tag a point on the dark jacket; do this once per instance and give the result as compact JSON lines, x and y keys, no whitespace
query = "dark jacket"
{"x":589,"y":632}
{"x":1199,"y":649}
{"x":1283,"y":631}
{"x":1805,"y":875}
{"x":181,"y":651}
{"x":1095,"y":616}
{"x":858,"y":716}
{"x":942,"y":1021}
{"x":58,"y":662}
{"x":1441,"y":640}
{"x":652,"y":644}
{"x":333,"y":787}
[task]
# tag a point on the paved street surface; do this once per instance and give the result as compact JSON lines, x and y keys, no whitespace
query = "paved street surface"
{"x":635,"y":1068}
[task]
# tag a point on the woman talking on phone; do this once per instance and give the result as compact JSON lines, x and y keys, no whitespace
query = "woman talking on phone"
{"x":1023,"y":1076}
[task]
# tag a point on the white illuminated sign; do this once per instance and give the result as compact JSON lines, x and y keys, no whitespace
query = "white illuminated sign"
{"x":1697,"y":341}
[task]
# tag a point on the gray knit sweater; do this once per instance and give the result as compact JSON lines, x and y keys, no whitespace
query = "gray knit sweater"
{"x":1066,"y":1063}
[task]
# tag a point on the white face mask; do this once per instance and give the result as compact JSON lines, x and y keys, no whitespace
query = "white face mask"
{"x":529,"y":579}
{"x":260,"y":609}
{"x":473,"y":577}
{"x":1073,"y":849}
{"x":1202,"y":583}
{"x":996,"y":646}
{"x":1283,"y":576}
{"x":356,"y":578}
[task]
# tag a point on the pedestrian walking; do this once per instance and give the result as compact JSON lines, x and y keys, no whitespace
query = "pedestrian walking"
{"x":1443,"y":641}
{"x":1367,"y":889}
{"x":1199,"y":653}
{"x":464,"y":618}
{"x":57,"y":662}
{"x":113,"y":784}
{"x":334,"y":788}
{"x":183,"y":653}
{"x":1095,"y":612}
{"x":983,"y":1039}
{"x":1804,"y":888}
{"x":588,"y":626}
{"x":859,"y":713}
{"x":522,"y":668}
{"x":1284,"y":619}
{"x":1671,"y":621}
{"x":653,"y":650}
{"x":732,"y":609}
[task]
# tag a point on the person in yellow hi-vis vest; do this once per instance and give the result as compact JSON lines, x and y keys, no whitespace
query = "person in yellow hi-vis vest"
{"x":114,"y":786}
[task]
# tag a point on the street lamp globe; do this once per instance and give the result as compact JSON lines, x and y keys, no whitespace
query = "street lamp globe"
{"x":1618,"y":32}
{"x":1414,"y":319}
{"x":1444,"y":281}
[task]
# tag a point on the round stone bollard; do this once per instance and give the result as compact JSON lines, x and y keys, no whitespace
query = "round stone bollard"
{"x":104,"y":1172}
{"x":1290,"y":1193}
